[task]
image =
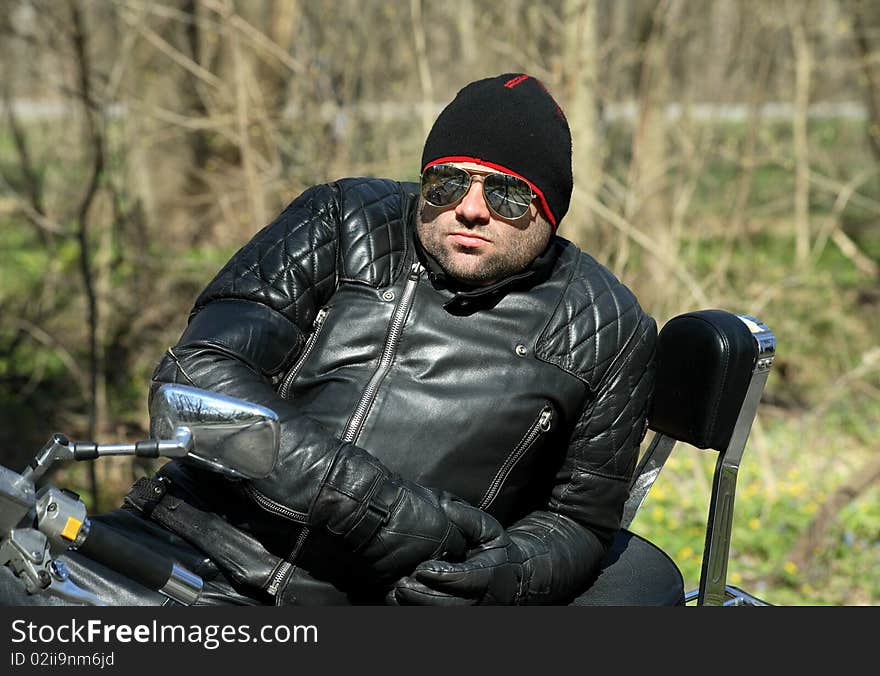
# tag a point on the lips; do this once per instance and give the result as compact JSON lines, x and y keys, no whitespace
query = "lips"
{"x":468,"y":239}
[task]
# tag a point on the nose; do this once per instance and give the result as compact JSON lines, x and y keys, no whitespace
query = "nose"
{"x":473,"y":208}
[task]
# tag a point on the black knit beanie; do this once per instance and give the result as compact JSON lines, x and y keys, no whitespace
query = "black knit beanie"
{"x":510,"y":123}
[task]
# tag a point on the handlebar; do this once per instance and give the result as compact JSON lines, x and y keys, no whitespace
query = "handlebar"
{"x":59,"y":447}
{"x":151,"y":569}
{"x":230,"y":436}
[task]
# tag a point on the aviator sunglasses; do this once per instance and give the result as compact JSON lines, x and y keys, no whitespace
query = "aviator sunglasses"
{"x":507,"y":196}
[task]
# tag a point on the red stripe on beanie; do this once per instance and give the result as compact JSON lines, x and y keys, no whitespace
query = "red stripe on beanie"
{"x":510,"y":84}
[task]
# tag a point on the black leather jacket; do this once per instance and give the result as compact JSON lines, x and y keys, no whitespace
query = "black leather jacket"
{"x":527,"y":399}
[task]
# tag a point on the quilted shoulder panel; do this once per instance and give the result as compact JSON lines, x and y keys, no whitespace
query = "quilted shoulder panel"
{"x":291,"y":264}
{"x":595,"y":319}
{"x":373,"y":238}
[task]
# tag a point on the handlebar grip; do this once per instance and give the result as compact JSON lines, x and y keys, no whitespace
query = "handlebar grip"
{"x":121,"y":553}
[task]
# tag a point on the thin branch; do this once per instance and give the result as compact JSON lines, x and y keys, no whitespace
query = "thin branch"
{"x":256,"y":36}
{"x":839,"y":389}
{"x":832,"y":222}
{"x":26,"y":208}
{"x":45,"y":338}
{"x":811,"y":541}
{"x":867,"y":61}
{"x":32,"y":181}
{"x":216,"y":122}
{"x":647,"y":243}
{"x":174,"y":54}
{"x":849,"y":249}
{"x":79,"y":40}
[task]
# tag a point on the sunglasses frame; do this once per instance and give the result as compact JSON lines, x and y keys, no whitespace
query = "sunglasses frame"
{"x":470,"y":174}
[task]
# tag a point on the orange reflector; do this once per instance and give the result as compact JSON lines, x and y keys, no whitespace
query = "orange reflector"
{"x":71,"y":528}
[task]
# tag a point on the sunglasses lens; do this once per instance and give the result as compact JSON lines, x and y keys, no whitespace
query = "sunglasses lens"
{"x":443,"y":184}
{"x":508,"y":195}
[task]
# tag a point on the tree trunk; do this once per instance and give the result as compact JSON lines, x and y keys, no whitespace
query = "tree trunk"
{"x":97,"y":404}
{"x":580,"y":86}
{"x":649,"y":205}
{"x":800,"y":140}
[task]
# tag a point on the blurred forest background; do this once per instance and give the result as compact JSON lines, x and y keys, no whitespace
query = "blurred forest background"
{"x":727,"y":154}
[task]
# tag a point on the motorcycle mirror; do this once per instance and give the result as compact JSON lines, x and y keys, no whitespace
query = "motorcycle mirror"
{"x":231,"y":436}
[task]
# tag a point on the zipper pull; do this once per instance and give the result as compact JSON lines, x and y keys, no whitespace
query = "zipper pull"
{"x":277,"y":577}
{"x":319,"y":318}
{"x":415,"y":270}
{"x":545,"y":419}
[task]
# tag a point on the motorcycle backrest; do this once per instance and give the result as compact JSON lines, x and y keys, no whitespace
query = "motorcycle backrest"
{"x":712,"y":366}
{"x":704,"y":364}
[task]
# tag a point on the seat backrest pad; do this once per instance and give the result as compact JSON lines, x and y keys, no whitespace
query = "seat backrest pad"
{"x":705,"y":361}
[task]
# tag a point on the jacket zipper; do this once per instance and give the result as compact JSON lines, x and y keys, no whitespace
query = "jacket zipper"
{"x":540,"y":426}
{"x":274,"y":507}
{"x":395,"y":329}
{"x":398,"y":318}
{"x":264,"y":501}
{"x":285,"y":568}
{"x":277,"y":578}
{"x":284,"y":391}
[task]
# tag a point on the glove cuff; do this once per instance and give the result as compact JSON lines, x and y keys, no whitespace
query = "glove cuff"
{"x":374,"y":513}
{"x":356,"y":498}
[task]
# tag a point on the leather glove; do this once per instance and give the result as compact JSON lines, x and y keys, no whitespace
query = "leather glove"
{"x":392,"y":523}
{"x":492,"y":574}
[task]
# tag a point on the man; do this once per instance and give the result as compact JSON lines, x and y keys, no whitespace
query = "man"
{"x":462,"y":392}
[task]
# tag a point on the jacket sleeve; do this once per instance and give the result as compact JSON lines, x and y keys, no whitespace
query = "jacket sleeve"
{"x":246,"y":328}
{"x":564,"y":543}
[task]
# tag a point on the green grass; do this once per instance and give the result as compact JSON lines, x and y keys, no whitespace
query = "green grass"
{"x":780,"y":490}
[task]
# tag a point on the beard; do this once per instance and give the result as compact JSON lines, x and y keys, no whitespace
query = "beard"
{"x":513,"y":247}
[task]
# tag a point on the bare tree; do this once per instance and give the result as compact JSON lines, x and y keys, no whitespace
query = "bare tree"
{"x":865,"y":21}
{"x":798,"y":13}
{"x":580,"y":90}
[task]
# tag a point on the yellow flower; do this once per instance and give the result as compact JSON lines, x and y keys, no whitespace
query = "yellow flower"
{"x":797,"y":488}
{"x":810,"y":508}
{"x":736,"y":578}
{"x":754,"y":523}
{"x":790,"y":567}
{"x":685,"y":553}
{"x":657,"y":514}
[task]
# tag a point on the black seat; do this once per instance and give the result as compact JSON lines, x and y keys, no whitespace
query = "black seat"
{"x":635,"y":572}
{"x":712,"y":366}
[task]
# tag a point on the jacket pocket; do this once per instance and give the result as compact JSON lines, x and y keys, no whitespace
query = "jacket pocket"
{"x":317,"y":325}
{"x":539,"y":427}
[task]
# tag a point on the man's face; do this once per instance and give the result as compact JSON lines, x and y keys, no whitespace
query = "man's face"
{"x":475,"y":246}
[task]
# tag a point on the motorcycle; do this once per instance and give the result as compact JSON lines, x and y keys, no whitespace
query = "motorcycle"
{"x":712,"y":366}
{"x":43,"y":532}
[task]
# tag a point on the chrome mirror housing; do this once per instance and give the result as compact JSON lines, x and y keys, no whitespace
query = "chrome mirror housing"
{"x":229,"y":435}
